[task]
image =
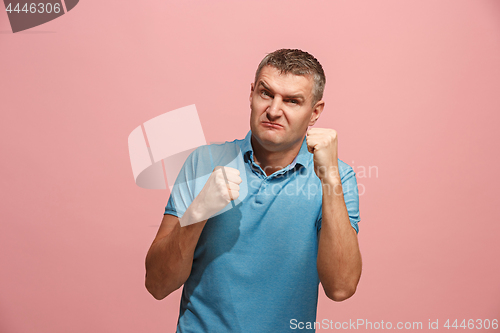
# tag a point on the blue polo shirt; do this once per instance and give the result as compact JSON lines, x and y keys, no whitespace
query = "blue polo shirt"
{"x":254,"y":267}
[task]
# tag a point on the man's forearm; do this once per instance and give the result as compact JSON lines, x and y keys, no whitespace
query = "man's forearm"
{"x":170,"y":258}
{"x":339,"y":258}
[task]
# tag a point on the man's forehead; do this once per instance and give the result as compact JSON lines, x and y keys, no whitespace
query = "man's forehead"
{"x":271,"y":77}
{"x":273,"y":71}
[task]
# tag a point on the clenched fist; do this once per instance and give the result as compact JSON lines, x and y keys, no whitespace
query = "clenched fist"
{"x":221,"y":187}
{"x":322,"y":143}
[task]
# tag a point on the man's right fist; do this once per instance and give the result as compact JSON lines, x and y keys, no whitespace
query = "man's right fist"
{"x":221,"y":187}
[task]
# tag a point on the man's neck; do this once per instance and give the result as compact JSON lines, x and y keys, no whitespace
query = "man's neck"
{"x":272,"y":161}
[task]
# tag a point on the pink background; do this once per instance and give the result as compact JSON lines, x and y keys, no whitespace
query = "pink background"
{"x":413,"y":89}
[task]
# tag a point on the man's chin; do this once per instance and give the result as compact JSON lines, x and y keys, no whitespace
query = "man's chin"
{"x":270,"y":142}
{"x":269,"y":137}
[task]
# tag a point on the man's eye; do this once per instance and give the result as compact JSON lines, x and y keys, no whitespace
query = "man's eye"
{"x":293,"y":101}
{"x":265,"y":93}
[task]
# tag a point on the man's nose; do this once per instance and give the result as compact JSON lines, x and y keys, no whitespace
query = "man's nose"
{"x":274,"y":111}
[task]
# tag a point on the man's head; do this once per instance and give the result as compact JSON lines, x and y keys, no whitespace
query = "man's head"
{"x":296,"y":62}
{"x":285,"y":99}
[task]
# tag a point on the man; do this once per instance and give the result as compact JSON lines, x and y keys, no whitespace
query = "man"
{"x":253,"y":264}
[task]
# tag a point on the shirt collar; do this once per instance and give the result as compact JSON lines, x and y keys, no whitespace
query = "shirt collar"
{"x":301,"y":159}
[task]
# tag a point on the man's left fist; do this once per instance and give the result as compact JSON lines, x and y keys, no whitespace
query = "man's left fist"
{"x":322,"y":143}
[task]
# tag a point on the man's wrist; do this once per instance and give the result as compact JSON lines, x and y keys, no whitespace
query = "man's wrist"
{"x":191,"y":215}
{"x":332,"y":185}
{"x":332,"y":179}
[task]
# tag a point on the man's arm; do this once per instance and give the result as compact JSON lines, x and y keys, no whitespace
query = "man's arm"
{"x":170,"y":257}
{"x":339,"y":258}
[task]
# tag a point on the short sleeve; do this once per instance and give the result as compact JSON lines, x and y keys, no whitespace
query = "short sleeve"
{"x":182,"y":193}
{"x":351,"y":197}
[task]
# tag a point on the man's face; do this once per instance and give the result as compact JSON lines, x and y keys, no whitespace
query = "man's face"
{"x":282,"y":109}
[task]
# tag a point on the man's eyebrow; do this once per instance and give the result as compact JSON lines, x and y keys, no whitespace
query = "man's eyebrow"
{"x":264,"y":85}
{"x":296,"y":96}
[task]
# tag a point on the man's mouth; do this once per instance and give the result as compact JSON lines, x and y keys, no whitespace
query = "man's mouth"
{"x":271,"y":125}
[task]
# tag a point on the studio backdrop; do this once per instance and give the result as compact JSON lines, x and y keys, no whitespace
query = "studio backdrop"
{"x":412,"y":90}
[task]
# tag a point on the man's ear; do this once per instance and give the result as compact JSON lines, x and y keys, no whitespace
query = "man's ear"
{"x":318,"y":108}
{"x":251,"y":92}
